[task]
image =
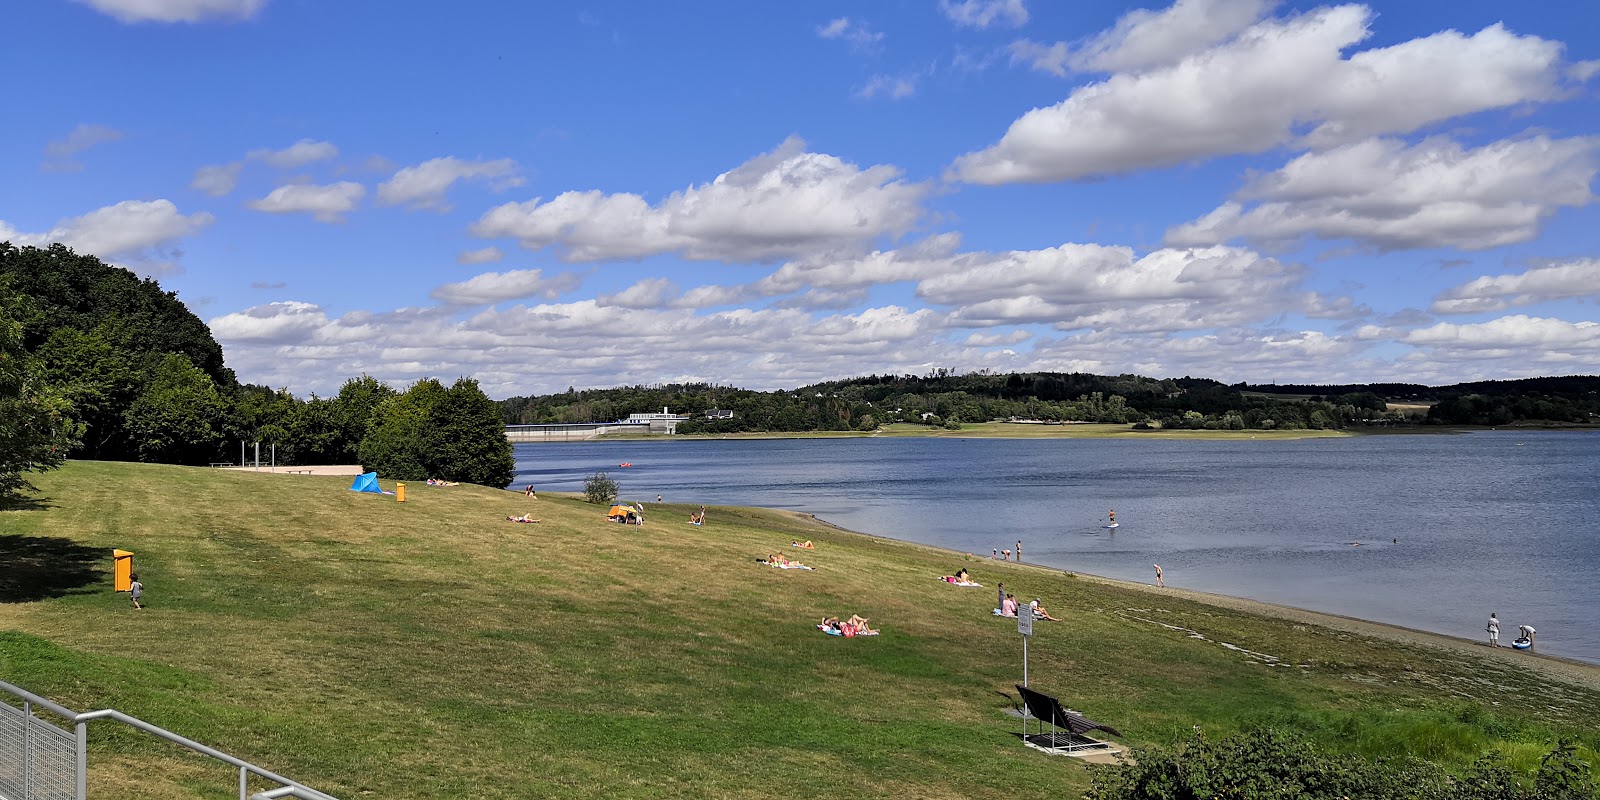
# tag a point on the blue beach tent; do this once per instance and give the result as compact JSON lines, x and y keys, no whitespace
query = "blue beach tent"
{"x":367,"y":482}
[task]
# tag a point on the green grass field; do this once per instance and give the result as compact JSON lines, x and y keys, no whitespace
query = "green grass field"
{"x":430,"y":650}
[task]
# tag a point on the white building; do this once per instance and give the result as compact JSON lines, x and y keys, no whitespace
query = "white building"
{"x":664,"y":422}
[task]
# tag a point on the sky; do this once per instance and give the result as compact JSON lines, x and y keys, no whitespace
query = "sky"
{"x":551,"y":195}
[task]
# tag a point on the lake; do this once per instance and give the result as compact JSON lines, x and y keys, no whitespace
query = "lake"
{"x":1449,"y":528}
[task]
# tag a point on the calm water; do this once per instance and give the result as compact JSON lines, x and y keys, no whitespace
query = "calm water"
{"x":1491,"y":521}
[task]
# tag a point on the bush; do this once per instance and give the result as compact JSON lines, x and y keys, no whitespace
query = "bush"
{"x":600,"y":489}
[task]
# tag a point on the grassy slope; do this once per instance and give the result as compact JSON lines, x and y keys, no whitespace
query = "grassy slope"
{"x":432,"y":650}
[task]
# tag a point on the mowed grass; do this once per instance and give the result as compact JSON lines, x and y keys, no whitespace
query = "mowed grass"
{"x":431,"y":649}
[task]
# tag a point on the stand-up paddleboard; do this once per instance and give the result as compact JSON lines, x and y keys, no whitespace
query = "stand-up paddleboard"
{"x":1114,"y":525}
{"x":1522,"y":643}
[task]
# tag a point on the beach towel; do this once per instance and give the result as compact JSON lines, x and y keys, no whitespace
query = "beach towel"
{"x":960,"y":583}
{"x":837,"y":632}
{"x":790,"y":566}
{"x":999,"y":613}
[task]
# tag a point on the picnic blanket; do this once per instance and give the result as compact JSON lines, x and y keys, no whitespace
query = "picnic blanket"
{"x":790,"y":566}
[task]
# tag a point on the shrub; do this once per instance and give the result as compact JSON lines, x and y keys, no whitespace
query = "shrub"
{"x":600,"y":489}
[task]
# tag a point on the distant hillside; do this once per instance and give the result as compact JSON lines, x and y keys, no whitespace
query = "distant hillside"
{"x":943,"y":398}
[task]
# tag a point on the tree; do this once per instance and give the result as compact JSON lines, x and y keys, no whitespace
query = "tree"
{"x":464,"y":439}
{"x":179,"y":417}
{"x":600,"y":489}
{"x":352,"y":411}
{"x":393,"y":445}
{"x":98,"y":380}
{"x":36,"y":424}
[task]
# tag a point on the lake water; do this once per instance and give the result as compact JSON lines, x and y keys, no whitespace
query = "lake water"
{"x":1492,"y":521}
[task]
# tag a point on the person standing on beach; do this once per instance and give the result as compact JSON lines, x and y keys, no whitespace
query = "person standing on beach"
{"x":1019,"y":550}
{"x":1494,"y":630}
{"x":1158,"y":575}
{"x":658,"y":499}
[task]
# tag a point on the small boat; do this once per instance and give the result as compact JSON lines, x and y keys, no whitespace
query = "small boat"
{"x":1522,"y":643}
{"x":626,"y":464}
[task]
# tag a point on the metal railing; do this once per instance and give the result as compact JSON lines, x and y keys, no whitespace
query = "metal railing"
{"x":40,"y":772}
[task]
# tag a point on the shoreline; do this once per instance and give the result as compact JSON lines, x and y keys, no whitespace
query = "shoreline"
{"x":1560,"y":668}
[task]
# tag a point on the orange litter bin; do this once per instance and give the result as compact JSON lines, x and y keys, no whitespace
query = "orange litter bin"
{"x":122,"y":570}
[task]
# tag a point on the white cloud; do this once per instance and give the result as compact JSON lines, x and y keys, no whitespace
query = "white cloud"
{"x":1105,"y":287}
{"x":895,"y":87}
{"x":138,"y":232}
{"x":981,"y":14}
{"x":298,"y":154}
{"x":495,"y":287}
{"x":424,"y":185}
{"x":1582,"y":71}
{"x":216,"y":179}
{"x":131,"y":11}
{"x":1143,"y":39}
{"x":59,"y":153}
{"x":487,"y":255}
{"x":1051,"y":58}
{"x":1392,"y":196}
{"x":287,"y":320}
{"x":1260,"y":89}
{"x":325,"y":203}
{"x":1518,"y":332}
{"x":780,"y":204}
{"x":1561,"y":281}
{"x":859,"y":35}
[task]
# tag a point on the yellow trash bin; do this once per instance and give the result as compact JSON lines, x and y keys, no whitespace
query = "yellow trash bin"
{"x":122,"y":570}
{"x":400,"y":492}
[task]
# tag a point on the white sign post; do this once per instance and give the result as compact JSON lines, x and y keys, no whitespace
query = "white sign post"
{"x":1025,"y":627}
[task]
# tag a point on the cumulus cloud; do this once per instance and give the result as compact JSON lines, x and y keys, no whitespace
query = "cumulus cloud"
{"x":1559,"y":281}
{"x":487,"y":255}
{"x":495,"y":287}
{"x":1261,"y":89}
{"x":1518,"y":332}
{"x":859,"y":35}
{"x":216,"y":179}
{"x":138,"y":234}
{"x":325,"y":203}
{"x":424,"y":185}
{"x":1098,"y":286}
{"x":981,"y":14}
{"x":1143,"y":39}
{"x":58,"y":153}
{"x":298,"y":154}
{"x":132,"y":11}
{"x":1390,"y":195}
{"x":780,"y":204}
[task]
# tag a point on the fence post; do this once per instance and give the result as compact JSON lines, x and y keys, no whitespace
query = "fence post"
{"x":27,"y":748}
{"x":83,"y":761}
{"x":244,"y":784}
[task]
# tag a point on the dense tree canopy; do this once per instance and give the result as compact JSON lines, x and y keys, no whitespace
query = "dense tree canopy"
{"x":36,"y":423}
{"x":429,"y":431}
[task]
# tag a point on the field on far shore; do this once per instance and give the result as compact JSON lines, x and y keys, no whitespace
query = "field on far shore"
{"x":433,"y":649}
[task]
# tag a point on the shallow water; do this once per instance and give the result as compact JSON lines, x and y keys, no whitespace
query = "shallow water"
{"x":1498,"y":521}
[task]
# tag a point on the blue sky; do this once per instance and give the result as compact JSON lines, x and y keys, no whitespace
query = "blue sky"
{"x":551,"y":195}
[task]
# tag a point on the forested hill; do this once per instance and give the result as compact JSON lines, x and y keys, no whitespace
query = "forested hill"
{"x":1569,"y":399}
{"x":950,"y":400}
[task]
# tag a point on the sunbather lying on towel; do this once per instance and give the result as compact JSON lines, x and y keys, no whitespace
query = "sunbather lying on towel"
{"x":523,"y":518}
{"x":437,"y":482}
{"x":854,"y":626}
{"x":806,"y":544}
{"x":775,"y":560}
{"x":961,"y":578}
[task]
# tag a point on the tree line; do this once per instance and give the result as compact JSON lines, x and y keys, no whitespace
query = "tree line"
{"x":950,"y":400}
{"x":98,"y":363}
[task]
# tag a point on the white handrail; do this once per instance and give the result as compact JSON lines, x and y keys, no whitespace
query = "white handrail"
{"x":290,"y":788}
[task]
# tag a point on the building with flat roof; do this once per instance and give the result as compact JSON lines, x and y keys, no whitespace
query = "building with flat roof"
{"x":664,"y":422}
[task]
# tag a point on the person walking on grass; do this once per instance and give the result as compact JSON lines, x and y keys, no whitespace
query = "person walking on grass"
{"x":136,"y":590}
{"x":1494,"y":630}
{"x":1158,"y":575}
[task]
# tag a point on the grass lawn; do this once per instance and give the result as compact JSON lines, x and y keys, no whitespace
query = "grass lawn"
{"x":432,"y":650}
